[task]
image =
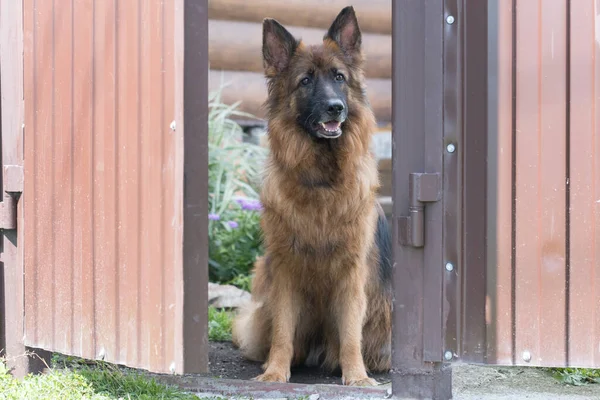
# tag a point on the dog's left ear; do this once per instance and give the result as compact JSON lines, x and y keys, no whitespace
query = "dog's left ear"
{"x":345,"y":31}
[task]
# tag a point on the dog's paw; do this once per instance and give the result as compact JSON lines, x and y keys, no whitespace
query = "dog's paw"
{"x":359,"y":381}
{"x":273,"y":376}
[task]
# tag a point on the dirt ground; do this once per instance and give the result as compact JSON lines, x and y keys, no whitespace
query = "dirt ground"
{"x":469,"y":381}
{"x":226,"y":362}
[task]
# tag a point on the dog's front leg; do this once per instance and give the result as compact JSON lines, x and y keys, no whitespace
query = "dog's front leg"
{"x":285,"y":313}
{"x":351,"y":305}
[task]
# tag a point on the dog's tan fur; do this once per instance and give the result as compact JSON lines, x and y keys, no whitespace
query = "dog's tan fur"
{"x":317,"y":294}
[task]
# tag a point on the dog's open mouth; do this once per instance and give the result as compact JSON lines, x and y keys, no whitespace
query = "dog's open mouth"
{"x":330,"y":129}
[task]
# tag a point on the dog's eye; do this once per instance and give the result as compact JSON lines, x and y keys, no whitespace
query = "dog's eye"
{"x":305,"y":81}
{"x":339,"y":77}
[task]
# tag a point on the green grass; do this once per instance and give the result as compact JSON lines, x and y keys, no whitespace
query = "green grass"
{"x":219,"y":325}
{"x":575,"y":376}
{"x":70,"y":379}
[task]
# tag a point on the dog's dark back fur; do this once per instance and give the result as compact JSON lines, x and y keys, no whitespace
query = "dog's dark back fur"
{"x":326,"y":286}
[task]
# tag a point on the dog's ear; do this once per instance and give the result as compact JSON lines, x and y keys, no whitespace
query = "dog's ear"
{"x":346,"y":32}
{"x":278,"y":47}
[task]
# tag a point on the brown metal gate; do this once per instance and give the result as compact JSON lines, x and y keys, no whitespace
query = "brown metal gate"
{"x":545,"y":251}
{"x":499,"y":98}
{"x":115,"y":187}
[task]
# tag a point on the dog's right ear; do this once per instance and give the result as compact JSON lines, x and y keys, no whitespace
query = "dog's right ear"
{"x":278,"y":47}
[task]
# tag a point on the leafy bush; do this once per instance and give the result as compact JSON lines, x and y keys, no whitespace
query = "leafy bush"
{"x":234,"y":179}
{"x":219,"y":325}
{"x":235,"y":242}
{"x":242,"y":281}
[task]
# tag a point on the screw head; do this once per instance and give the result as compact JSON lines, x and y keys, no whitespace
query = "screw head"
{"x":526,"y":356}
{"x":450,"y":19}
{"x":451,"y":148}
{"x":449,"y":266}
{"x":448,"y":355}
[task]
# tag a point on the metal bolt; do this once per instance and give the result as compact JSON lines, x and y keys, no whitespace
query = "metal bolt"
{"x":450,"y":19}
{"x":451,"y":148}
{"x":526,"y":356}
{"x":448,"y":355}
{"x":173,"y":125}
{"x":449,"y":266}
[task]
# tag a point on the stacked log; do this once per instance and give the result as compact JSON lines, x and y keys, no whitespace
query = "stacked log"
{"x":235,"y":40}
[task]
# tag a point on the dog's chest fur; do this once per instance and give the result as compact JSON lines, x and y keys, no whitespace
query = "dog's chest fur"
{"x":322,"y":224}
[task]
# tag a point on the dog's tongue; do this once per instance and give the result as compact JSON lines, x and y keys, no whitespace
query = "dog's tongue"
{"x":331,"y":126}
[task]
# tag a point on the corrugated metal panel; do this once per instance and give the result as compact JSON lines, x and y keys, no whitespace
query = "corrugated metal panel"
{"x":540,"y":181}
{"x":584,"y":182}
{"x":500,"y":284}
{"x":543,"y":266}
{"x":104,"y":181}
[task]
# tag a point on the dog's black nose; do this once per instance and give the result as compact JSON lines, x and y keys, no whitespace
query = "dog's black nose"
{"x":335,"y":107}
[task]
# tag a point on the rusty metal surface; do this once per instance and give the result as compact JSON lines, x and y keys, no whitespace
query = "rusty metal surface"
{"x":104,"y":199}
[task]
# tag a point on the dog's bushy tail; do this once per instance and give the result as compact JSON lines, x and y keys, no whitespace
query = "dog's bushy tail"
{"x":251,"y":326}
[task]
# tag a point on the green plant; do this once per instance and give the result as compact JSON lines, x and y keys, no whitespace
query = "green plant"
{"x":55,"y":384}
{"x":72,"y":378}
{"x":234,"y":179}
{"x":242,"y":281}
{"x":113,"y":381}
{"x":576,"y":376}
{"x":234,"y":244}
{"x":219,"y":325}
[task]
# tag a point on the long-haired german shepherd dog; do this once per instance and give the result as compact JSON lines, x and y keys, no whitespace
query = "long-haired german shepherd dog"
{"x":322,"y":292}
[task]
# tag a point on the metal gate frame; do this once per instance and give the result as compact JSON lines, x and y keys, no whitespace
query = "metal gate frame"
{"x":419,"y":93}
{"x":463,"y":297}
{"x":11,"y":208}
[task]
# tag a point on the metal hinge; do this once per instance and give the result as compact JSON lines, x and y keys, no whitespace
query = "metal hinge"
{"x":423,"y":188}
{"x":13,"y":187}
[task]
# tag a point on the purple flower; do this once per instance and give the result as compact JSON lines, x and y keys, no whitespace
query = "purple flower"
{"x":214,"y":217}
{"x":232,"y":224}
{"x":250,"y":204}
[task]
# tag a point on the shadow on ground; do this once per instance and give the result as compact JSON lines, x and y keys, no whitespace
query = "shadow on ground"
{"x":470,"y":382}
{"x":226,"y":362}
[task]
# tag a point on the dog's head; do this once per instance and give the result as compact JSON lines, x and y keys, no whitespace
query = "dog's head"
{"x":315,"y":87}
